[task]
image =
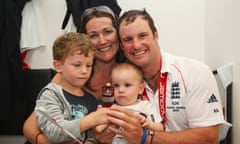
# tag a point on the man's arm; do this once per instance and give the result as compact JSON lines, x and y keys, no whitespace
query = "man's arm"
{"x":31,"y":130}
{"x":204,"y":135}
{"x":121,"y":117}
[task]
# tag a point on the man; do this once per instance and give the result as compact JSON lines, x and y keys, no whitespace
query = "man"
{"x":184,"y":90}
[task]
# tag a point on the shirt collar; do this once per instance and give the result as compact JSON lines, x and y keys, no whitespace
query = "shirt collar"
{"x":167,"y":61}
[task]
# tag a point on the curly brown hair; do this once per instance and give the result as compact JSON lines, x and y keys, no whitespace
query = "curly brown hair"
{"x":71,"y":42}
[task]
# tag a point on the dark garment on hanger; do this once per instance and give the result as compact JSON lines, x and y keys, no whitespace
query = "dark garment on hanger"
{"x":12,"y":100}
{"x":76,"y":7}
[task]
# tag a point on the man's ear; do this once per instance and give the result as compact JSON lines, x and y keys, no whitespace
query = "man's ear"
{"x":57,"y":65}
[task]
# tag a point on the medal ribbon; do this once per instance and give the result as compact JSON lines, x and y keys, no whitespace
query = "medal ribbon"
{"x":162,"y":89}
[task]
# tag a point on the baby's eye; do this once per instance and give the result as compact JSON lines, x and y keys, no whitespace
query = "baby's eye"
{"x":127,"y":85}
{"x":115,"y":85}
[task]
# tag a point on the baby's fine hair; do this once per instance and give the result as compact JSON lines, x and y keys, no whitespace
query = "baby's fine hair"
{"x":71,"y":42}
{"x":127,"y":66}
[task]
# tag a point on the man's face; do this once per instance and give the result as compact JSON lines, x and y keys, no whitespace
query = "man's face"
{"x":138,"y":42}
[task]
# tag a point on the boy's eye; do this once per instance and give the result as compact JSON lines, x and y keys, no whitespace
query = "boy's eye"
{"x":89,"y":65}
{"x":77,"y":65}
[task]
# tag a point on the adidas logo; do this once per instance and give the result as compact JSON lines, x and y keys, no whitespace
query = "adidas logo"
{"x":212,"y":99}
{"x":216,"y":110}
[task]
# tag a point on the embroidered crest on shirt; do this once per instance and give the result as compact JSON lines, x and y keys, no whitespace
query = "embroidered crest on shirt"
{"x":176,"y":105}
{"x":175,"y":91}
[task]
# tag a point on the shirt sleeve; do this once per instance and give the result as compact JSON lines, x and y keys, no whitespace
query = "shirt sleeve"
{"x":203,"y":103}
{"x":53,"y":107}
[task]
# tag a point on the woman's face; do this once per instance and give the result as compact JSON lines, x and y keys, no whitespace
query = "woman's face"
{"x":103,"y":37}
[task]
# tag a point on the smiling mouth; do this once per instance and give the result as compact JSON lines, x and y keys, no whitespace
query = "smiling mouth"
{"x":104,"y":49}
{"x":139,"y":53}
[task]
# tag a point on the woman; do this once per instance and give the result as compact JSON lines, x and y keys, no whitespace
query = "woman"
{"x":100,"y":24}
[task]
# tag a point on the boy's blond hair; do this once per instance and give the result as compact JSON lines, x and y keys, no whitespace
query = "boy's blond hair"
{"x":71,"y":42}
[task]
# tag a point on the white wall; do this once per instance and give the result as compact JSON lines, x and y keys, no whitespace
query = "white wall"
{"x":180,"y":25}
{"x":179,"y":22}
{"x":205,"y":30}
{"x":222,"y":35}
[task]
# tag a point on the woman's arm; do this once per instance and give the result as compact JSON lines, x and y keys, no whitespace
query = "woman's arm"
{"x":31,"y":130}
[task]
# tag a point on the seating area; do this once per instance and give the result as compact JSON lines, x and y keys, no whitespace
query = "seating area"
{"x":224,"y":75}
{"x":34,"y":80}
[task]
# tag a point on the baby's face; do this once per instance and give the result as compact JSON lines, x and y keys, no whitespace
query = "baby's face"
{"x":127,"y":86}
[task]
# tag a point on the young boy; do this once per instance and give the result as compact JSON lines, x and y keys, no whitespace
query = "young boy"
{"x":127,"y":80}
{"x":64,"y":100}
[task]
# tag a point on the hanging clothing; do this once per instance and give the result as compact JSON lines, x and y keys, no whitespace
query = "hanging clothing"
{"x":32,"y":28}
{"x":12,"y":97}
{"x":76,"y":7}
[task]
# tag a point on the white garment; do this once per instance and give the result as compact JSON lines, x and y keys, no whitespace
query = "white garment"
{"x":141,"y":107}
{"x":192,"y":94}
{"x":147,"y":108}
{"x":223,"y":130}
{"x":226,"y":74}
{"x":32,"y":28}
{"x":70,"y":27}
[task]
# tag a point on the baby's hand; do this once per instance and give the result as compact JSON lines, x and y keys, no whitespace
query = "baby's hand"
{"x":144,"y":120}
{"x":101,"y":128}
{"x":99,"y":106}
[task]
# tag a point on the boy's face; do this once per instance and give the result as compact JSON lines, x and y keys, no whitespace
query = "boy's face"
{"x":76,"y":69}
{"x":127,"y":86}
